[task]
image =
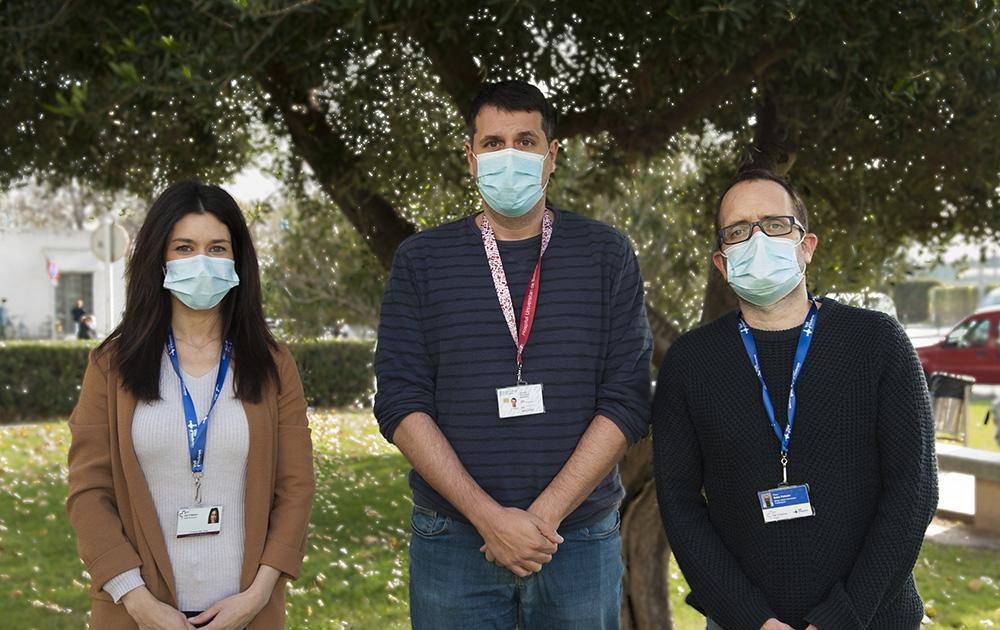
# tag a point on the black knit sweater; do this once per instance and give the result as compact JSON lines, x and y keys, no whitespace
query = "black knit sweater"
{"x":863,"y":440}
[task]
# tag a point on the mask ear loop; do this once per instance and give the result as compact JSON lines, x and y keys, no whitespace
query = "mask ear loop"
{"x":801,"y":238}
{"x":549,"y":178}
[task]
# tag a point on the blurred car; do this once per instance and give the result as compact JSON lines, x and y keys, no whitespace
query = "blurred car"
{"x":970,"y":348}
{"x":872,"y":300}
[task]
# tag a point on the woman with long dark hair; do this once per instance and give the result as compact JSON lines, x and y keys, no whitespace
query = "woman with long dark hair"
{"x":190,"y":409}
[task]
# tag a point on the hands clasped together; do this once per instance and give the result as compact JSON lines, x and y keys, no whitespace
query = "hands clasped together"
{"x":521,"y":541}
{"x":232,"y":613}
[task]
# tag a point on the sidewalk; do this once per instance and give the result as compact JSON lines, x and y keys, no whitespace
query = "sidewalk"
{"x":957,"y":499}
{"x":944,"y":531}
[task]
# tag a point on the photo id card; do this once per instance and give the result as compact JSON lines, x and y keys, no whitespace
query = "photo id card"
{"x":785,"y":503}
{"x":199,"y":521}
{"x":520,"y":400}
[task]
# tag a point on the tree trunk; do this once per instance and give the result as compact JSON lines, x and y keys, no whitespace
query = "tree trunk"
{"x":719,"y":298}
{"x":645,"y":549}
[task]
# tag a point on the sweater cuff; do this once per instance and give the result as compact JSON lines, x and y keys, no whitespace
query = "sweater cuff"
{"x":120,"y":585}
{"x":749,"y":613}
{"x":836,"y":612}
{"x":286,"y":559}
{"x":112,"y":562}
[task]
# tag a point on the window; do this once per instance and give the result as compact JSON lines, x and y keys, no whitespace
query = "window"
{"x":974,"y":333}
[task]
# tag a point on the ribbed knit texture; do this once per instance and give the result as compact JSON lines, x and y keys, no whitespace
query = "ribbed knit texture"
{"x":863,"y":440}
{"x":444,"y":348}
{"x":206,"y":568}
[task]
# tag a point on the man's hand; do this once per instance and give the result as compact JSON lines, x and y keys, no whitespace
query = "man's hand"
{"x":774,"y":624}
{"x":150,"y":613}
{"x":519,"y":541}
{"x":812,"y":627}
{"x":233,"y":613}
{"x":548,"y":515}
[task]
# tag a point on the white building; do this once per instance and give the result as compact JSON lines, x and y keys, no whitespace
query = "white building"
{"x":38,"y":306}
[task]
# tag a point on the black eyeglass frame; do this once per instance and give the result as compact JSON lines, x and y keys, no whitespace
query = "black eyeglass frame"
{"x":795,"y":223}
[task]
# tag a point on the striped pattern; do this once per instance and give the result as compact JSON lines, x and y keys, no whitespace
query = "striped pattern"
{"x":444,"y":348}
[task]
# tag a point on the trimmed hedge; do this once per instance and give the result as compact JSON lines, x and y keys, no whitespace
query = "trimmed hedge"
{"x":41,"y":379}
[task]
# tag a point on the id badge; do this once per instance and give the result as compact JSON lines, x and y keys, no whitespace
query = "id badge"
{"x":199,"y":521}
{"x":520,"y":400}
{"x":785,"y":503}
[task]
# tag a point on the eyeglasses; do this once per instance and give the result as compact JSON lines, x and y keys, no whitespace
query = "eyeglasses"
{"x":772,"y":226}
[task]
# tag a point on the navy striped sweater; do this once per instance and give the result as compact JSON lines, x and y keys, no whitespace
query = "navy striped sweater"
{"x":444,"y":348}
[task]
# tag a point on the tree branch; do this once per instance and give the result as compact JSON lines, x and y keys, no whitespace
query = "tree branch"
{"x":774,"y":144}
{"x":664,"y":333}
{"x":335,"y":167}
{"x":643,"y":139}
{"x":460,"y":76}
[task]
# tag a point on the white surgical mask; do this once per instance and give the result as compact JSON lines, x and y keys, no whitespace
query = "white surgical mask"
{"x":510,"y":180}
{"x":763,"y":269}
{"x":200,"y":282}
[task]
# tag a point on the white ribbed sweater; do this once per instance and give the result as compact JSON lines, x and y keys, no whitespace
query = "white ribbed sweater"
{"x":206,"y":568}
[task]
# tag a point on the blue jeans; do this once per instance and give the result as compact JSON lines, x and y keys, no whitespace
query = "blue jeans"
{"x":452,"y":586}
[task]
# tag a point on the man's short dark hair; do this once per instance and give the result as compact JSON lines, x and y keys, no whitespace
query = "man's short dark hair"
{"x":754,"y":175}
{"x":512,"y":96}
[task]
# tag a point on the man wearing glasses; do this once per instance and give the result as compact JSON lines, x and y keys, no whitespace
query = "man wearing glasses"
{"x":793,"y":440}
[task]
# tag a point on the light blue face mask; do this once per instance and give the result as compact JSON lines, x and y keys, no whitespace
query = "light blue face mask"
{"x":764,"y":269}
{"x":200,"y":282}
{"x":510,"y":180}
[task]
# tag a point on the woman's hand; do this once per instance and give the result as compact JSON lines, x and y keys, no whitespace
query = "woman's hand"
{"x":236,"y":612}
{"x":152,"y":614}
{"x":233,"y":613}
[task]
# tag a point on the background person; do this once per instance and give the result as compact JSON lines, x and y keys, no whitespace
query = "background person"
{"x":77,"y":313}
{"x":85,"y":327}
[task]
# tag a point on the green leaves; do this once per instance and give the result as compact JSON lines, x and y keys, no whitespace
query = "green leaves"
{"x":888,"y":109}
{"x":72,"y":106}
{"x":126,"y":71}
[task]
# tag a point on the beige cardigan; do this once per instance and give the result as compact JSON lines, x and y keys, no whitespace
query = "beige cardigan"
{"x":112,"y":511}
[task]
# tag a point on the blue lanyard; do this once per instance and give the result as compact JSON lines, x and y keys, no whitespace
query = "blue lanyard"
{"x":198,"y":432}
{"x":805,"y":340}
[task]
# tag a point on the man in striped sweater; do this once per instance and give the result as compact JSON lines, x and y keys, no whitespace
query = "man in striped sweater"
{"x":513,"y":372}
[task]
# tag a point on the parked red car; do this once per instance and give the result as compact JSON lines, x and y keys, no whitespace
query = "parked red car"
{"x":971,"y":348}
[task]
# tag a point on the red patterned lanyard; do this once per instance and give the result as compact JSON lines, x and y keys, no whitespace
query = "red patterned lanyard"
{"x":503,"y":291}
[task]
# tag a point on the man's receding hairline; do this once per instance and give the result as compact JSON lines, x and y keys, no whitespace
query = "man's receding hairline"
{"x":789,"y":200}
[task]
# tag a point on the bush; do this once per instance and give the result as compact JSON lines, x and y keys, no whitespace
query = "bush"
{"x":913,"y":300}
{"x":335,"y":373}
{"x":41,"y":379}
{"x":951,"y":303}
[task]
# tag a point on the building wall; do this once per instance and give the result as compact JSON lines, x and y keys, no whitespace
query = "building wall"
{"x":31,"y":295}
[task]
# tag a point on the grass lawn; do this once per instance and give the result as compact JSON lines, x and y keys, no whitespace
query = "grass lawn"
{"x":356,"y":569}
{"x":981,"y":435}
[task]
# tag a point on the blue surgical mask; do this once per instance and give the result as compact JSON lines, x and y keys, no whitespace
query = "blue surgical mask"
{"x":200,"y":282}
{"x":764,"y":269}
{"x":510,"y":180}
